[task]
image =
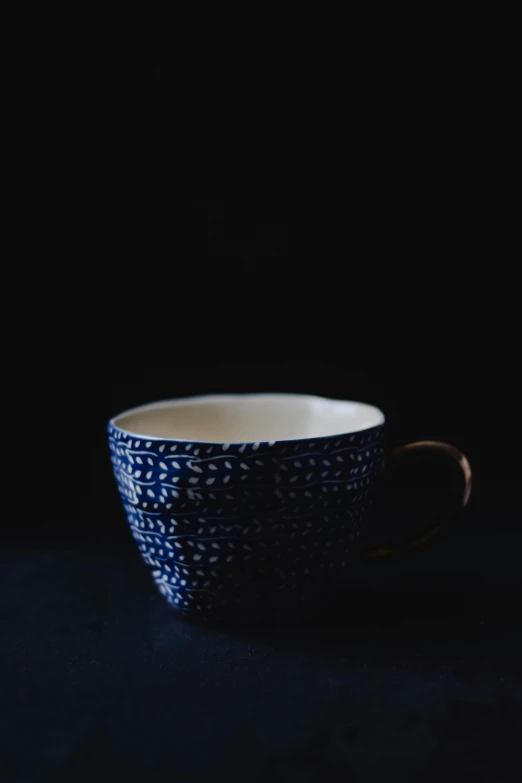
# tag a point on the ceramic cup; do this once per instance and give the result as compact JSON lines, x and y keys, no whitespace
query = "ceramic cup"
{"x":251,"y":505}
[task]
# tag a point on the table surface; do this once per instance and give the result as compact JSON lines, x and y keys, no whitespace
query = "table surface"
{"x":415,"y":675}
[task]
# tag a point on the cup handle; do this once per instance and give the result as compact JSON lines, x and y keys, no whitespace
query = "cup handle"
{"x":438,"y":448}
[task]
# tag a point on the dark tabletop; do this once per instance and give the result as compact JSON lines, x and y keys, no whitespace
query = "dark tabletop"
{"x":414,"y":675}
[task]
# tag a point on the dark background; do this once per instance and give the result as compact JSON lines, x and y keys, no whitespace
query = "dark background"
{"x":266,"y":294}
{"x":393,"y":288}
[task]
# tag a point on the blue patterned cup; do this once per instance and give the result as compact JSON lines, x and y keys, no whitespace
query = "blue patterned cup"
{"x":250,"y":505}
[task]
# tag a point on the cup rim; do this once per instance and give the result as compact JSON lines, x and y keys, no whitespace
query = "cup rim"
{"x":209,"y":398}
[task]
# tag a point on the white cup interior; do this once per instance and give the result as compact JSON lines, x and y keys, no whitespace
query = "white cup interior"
{"x":244,"y":418}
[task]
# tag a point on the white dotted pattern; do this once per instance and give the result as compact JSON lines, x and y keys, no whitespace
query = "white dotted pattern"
{"x":221,"y":523}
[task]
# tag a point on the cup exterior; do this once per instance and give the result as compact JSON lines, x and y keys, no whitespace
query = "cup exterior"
{"x":246,"y":529}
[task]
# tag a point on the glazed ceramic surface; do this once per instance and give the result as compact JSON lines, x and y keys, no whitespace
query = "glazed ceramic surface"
{"x":232,"y":527}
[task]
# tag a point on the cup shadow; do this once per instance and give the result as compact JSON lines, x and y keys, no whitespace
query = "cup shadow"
{"x":404,"y":608}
